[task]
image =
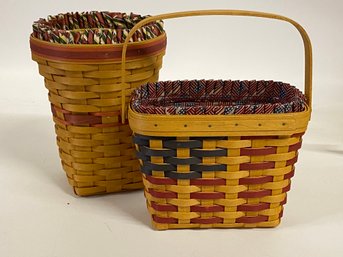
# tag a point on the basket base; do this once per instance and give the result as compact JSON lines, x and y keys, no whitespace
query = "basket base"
{"x":89,"y":191}
{"x":108,"y":187}
{"x":268,"y":224}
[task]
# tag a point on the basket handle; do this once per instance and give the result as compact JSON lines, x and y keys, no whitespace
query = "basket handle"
{"x":304,"y":35}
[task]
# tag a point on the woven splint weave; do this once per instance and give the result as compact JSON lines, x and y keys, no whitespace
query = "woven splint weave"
{"x":216,"y":181}
{"x":219,"y":153}
{"x":193,"y":182}
{"x":79,"y":56}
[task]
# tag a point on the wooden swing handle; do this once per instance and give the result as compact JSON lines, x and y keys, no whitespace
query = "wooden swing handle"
{"x":304,"y":35}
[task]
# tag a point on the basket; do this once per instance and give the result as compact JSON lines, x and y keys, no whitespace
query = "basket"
{"x":82,"y":71}
{"x":219,"y":162}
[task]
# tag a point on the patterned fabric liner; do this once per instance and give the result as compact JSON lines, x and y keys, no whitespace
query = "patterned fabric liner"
{"x":94,"y":28}
{"x":214,"y":97}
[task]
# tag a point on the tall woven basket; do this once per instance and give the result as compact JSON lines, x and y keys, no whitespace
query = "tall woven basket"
{"x":219,"y":153}
{"x":81,"y":65}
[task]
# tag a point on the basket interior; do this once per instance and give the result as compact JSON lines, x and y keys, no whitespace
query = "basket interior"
{"x":217,"y":97}
{"x":93,"y":28}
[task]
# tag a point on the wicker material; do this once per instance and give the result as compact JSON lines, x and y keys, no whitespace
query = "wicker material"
{"x":217,"y":181}
{"x":205,"y":171}
{"x":85,"y":91}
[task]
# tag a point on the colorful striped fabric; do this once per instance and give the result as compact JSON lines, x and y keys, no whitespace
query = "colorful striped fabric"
{"x":214,"y":97}
{"x":94,"y":28}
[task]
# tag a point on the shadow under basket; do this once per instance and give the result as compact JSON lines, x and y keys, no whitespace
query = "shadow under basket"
{"x":230,"y":166}
{"x":86,"y":91}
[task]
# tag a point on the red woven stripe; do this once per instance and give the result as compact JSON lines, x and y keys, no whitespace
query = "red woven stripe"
{"x":214,"y":208}
{"x":253,"y":207}
{"x":207,"y":221}
{"x":54,"y":108}
{"x":214,"y":220}
{"x":286,"y":189}
{"x":258,"y":151}
{"x":294,"y":147}
{"x":208,"y":182}
{"x":207,"y":195}
{"x":255,"y":219}
{"x":158,"y":194}
{"x":255,"y":180}
{"x":257,"y":166}
{"x":102,"y":52}
{"x":298,"y":134}
{"x":74,"y":119}
{"x":164,"y":220}
{"x":284,"y":201}
{"x":254,"y":194}
{"x":163,"y":207}
{"x":108,"y":125}
{"x":292,"y":161}
{"x":161,"y":181}
{"x":92,"y":119}
{"x":61,"y":121}
{"x":258,"y":137}
{"x":107,"y":114}
{"x":289,"y":175}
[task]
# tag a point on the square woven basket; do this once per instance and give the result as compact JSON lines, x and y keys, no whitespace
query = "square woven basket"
{"x":217,"y":162}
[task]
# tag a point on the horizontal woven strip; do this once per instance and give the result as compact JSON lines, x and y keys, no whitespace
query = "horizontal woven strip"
{"x":217,"y":181}
{"x":197,"y":169}
{"x":221,"y":159}
{"x":94,"y":28}
{"x":92,"y":119}
{"x":214,"y":208}
{"x":216,"y":195}
{"x":194,"y":144}
{"x":213,"y":220}
{"x":217,"y":97}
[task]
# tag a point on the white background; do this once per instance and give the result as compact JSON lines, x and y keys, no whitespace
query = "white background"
{"x":40,"y":215}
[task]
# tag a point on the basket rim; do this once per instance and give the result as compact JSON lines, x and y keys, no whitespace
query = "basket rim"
{"x":100,"y":53}
{"x":219,"y":125}
{"x":61,"y":28}
{"x":212,"y":96}
{"x":119,"y":45}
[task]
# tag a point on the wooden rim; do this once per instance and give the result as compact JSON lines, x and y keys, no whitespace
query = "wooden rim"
{"x":96,"y":53}
{"x":219,"y":125}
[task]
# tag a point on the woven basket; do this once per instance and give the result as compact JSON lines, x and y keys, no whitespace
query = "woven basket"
{"x":86,"y":95}
{"x":205,"y":171}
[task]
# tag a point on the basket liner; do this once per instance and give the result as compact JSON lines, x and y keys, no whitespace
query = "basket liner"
{"x":94,"y":28}
{"x":214,"y":97}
